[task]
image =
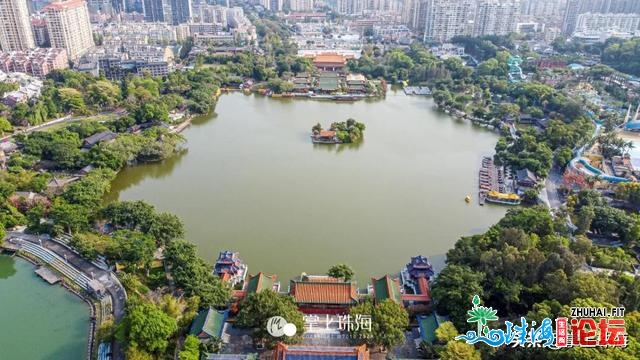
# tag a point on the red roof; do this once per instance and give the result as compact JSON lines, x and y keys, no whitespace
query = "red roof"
{"x":283,"y":351}
{"x":323,"y":292}
{"x":329,"y":59}
{"x":424,"y":295}
{"x":60,"y":5}
{"x":327,"y":133}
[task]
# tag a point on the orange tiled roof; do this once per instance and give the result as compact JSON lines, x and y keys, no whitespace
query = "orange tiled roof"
{"x":323,"y":292}
{"x":329,"y":58}
{"x":327,"y":133}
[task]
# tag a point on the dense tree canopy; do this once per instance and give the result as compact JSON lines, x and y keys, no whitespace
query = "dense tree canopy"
{"x":147,"y":327}
{"x":194,"y":276}
{"x":526,"y":266}
{"x":257,"y":308}
{"x":341,"y":271}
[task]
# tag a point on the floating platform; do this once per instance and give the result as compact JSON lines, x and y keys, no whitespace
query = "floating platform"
{"x":47,"y":275}
{"x":9,"y":247}
{"x":417,"y":90}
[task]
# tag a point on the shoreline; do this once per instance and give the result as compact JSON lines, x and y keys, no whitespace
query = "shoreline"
{"x":396,"y":93}
{"x":92,"y":309}
{"x":93,"y":326}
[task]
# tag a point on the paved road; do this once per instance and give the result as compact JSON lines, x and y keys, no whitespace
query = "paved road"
{"x":551,"y":187}
{"x":116,"y":291}
{"x":597,"y":270}
{"x":62,"y":120}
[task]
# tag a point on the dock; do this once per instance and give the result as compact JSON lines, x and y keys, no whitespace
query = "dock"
{"x":183,"y":125}
{"x":47,"y":275}
{"x":9,"y":247}
{"x":417,"y":90}
{"x":495,"y":184}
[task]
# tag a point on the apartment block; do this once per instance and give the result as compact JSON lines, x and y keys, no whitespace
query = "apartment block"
{"x":15,"y":28}
{"x":69,"y":28}
{"x":496,"y":17}
{"x":37,"y":62}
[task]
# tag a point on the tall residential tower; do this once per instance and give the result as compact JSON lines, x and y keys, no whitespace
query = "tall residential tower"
{"x":448,"y":18}
{"x":69,"y":28}
{"x":496,"y":17}
{"x":15,"y":27}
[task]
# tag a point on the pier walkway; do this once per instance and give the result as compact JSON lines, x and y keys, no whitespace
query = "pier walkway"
{"x":47,"y":275}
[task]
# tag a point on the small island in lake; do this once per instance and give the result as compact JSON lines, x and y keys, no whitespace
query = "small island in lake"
{"x":339,"y":133}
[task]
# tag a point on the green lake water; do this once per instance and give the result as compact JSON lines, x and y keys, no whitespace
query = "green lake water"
{"x":253,"y":182}
{"x":39,"y":321}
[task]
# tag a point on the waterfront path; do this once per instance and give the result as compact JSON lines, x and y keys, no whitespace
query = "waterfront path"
{"x":58,"y":121}
{"x":106,"y":278}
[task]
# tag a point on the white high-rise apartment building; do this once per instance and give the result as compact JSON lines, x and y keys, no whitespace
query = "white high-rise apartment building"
{"x":301,"y":5}
{"x":15,"y":27}
{"x":272,"y":5}
{"x":445,"y":19}
{"x":69,"y":27}
{"x":353,"y":7}
{"x":542,"y":8}
{"x":592,"y":23}
{"x":413,"y":14}
{"x":577,"y":7}
{"x":496,"y":17}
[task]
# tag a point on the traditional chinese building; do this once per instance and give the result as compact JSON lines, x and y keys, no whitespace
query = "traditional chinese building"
{"x":323,"y":294}
{"x":328,"y":82}
{"x":415,"y":277}
{"x":230,"y":268}
{"x":330,"y":62}
{"x":209,"y":323}
{"x":386,"y":288}
{"x":302,"y":83}
{"x":255,"y":284}
{"x":260,"y":282}
{"x":303,"y":352}
{"x":325,"y":137}
{"x":526,"y":178}
{"x":420,"y":267}
{"x":95,"y":139}
{"x":356,"y":83}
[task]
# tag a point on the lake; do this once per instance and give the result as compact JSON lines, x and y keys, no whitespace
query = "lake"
{"x":253,"y":182}
{"x":39,"y":321}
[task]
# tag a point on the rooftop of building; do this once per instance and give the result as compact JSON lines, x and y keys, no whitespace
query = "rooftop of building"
{"x":63,"y":5}
{"x":208,"y":323}
{"x":311,"y":352}
{"x":329,"y":58}
{"x":386,"y":288}
{"x":260,"y":282}
{"x":324,"y":290}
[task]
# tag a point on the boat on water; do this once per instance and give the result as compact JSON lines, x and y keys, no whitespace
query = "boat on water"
{"x":325,"y":137}
{"x":344,"y":98}
{"x":502,"y":198}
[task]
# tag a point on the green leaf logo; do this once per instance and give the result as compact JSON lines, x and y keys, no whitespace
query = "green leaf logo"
{"x":480,"y":315}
